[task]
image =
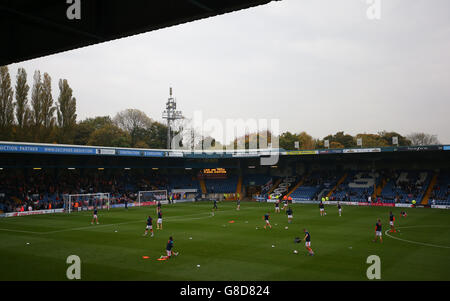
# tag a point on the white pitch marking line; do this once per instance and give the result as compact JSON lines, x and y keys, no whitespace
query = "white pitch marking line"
{"x":175,"y":218}
{"x":20,"y":231}
{"x":124,"y":223}
{"x":416,"y":242}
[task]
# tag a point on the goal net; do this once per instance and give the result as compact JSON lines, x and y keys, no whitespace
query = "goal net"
{"x":86,"y":201}
{"x":146,"y":198}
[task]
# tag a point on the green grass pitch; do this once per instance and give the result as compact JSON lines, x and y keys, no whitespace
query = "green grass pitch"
{"x":113,"y":250}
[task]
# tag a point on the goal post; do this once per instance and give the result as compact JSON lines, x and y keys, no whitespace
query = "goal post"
{"x":86,"y":201}
{"x":152,"y":196}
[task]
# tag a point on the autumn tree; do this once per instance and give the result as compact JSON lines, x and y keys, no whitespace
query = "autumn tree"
{"x":133,"y":121}
{"x":345,"y":140}
{"x":23,"y":112}
{"x":335,"y":144}
{"x":6,"y":104}
{"x":305,"y":141}
{"x":36,"y":105}
{"x":110,"y":135}
{"x":287,"y":140}
{"x":66,"y":112}
{"x":156,"y":135}
{"x":85,"y":128}
{"x":387,"y":136}
{"x":372,"y":140}
{"x":48,"y":110}
{"x":423,"y":139}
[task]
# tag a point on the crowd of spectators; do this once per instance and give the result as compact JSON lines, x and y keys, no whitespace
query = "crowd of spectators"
{"x":441,"y":189}
{"x":45,"y":190}
{"x":403,"y":189}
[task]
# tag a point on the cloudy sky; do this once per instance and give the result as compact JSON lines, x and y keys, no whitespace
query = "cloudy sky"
{"x":319,"y":66}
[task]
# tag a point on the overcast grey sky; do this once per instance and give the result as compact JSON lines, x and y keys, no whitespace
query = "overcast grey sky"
{"x":320,"y":66}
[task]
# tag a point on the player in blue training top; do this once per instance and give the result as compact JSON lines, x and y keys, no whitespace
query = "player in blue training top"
{"x":149,"y":226}
{"x":339,"y":208}
{"x":378,"y":231}
{"x":286,"y":202}
{"x":277,"y":206}
{"x":158,"y":207}
{"x":169,"y":248}
{"x":391,"y":222}
{"x":95,"y":217}
{"x":322,"y":209}
{"x":289,"y":215}
{"x":266,"y":219}
{"x":214,"y":207}
{"x":308,"y":242}
{"x":159,"y":221}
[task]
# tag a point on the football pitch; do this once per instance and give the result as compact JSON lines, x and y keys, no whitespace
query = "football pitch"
{"x":215,"y":248}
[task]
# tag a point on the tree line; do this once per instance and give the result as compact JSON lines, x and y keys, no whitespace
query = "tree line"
{"x":34,"y":116}
{"x":30,"y":114}
{"x":287,"y":140}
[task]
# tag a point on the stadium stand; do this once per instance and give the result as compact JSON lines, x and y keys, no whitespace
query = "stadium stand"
{"x":255,"y":179}
{"x":313,"y":184}
{"x":222,"y":185}
{"x":357,"y":187}
{"x":441,"y":191}
{"x":40,"y":189}
{"x":405,"y":186}
{"x":183,"y":182}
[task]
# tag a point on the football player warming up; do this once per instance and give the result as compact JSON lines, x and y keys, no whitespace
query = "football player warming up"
{"x":266,"y":219}
{"x":378,"y":233}
{"x":289,"y":214}
{"x":322,"y":209}
{"x":169,"y":248}
{"x":277,"y":206}
{"x":285,"y":201}
{"x":159,"y":221}
{"x":95,"y":217}
{"x":308,"y":242}
{"x":158,"y":207}
{"x":391,"y":222}
{"x":214,"y":207}
{"x":149,"y":226}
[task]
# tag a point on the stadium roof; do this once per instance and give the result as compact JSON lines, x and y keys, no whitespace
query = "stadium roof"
{"x":31,"y":29}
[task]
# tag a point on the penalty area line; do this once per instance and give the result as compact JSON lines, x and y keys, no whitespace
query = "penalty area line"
{"x":173,"y":218}
{"x":93,"y":227}
{"x":20,"y":231}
